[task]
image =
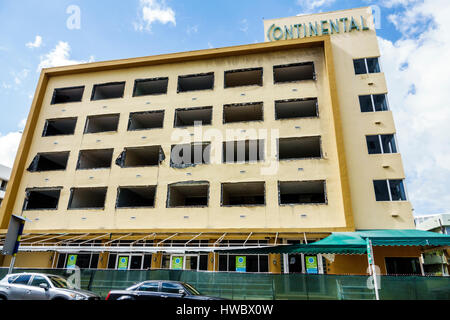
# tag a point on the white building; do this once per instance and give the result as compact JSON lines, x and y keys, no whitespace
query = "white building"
{"x":5,"y":173}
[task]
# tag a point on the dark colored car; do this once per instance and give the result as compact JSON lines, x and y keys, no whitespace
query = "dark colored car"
{"x":159,"y":290}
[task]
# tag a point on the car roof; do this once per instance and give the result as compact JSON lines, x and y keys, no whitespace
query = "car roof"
{"x":33,"y":274}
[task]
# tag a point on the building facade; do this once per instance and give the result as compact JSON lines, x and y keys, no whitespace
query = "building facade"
{"x":5,"y":173}
{"x":154,"y":162}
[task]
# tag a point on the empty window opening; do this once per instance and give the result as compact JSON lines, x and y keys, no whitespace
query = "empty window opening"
{"x":141,"y":157}
{"x":146,"y":120}
{"x":243,"y":112}
{"x":302,"y":192}
{"x":298,"y":108}
{"x":244,"y":77}
{"x":66,"y":95}
{"x":188,"y":194}
{"x":111,"y":90}
{"x":299,"y":148}
{"x":243,"y":151}
{"x":373,"y":103}
{"x":389,"y":190}
{"x":134,"y":197}
{"x":193,"y":116}
{"x":95,"y":159}
{"x":42,"y":199}
{"x":59,"y":127}
{"x":50,"y":161}
{"x":294,"y":72}
{"x":196,"y":82}
{"x":102,"y":123}
{"x":385,"y":143}
{"x":366,"y":65}
{"x":243,"y":194}
{"x":87,"y":198}
{"x":188,"y":155}
{"x":146,"y":87}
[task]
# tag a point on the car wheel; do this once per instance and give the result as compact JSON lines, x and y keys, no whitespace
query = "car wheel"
{"x":2,"y":298}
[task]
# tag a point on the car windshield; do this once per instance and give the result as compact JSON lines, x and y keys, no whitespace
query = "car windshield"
{"x":192,"y":290}
{"x":59,"y":282}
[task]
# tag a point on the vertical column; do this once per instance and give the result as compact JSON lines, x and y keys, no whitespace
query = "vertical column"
{"x":103,"y":260}
{"x":274,"y":261}
{"x":213,"y":259}
{"x":156,"y":260}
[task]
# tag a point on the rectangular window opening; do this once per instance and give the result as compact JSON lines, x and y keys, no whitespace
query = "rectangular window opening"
{"x":136,"y":197}
{"x":243,"y":112}
{"x":59,"y":127}
{"x":373,"y":103}
{"x":66,"y":95}
{"x":50,"y":161}
{"x":102,"y":123}
{"x":298,"y":108}
{"x":112,"y":90}
{"x":294,"y":72}
{"x":243,"y":194}
{"x":95,"y":159}
{"x":188,"y":155}
{"x":192,"y":116}
{"x":141,"y":157}
{"x":146,"y":87}
{"x":146,"y":120}
{"x":378,"y":144}
{"x":367,"y":65}
{"x":299,"y":148}
{"x":204,"y":81}
{"x":389,"y":190}
{"x":302,"y":192}
{"x":244,"y":77}
{"x":243,"y":151}
{"x":42,"y":199}
{"x":193,"y":194}
{"x":87,"y":198}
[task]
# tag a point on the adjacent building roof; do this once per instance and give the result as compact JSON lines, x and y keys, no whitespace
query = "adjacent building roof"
{"x":5,"y":172}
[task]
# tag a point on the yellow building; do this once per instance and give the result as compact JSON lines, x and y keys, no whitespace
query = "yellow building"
{"x":137,"y":163}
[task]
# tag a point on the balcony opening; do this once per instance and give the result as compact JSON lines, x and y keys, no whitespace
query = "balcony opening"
{"x":146,"y":87}
{"x":298,"y":108}
{"x":66,"y":95}
{"x":243,"y":112}
{"x":146,"y":120}
{"x":302,"y":192}
{"x":112,"y":90}
{"x":141,"y":157}
{"x":188,"y":194}
{"x":189,"y":155}
{"x":204,"y":81}
{"x":50,"y":161}
{"x":42,"y":199}
{"x":95,"y":159}
{"x":299,"y":148}
{"x":192,"y":116}
{"x":243,"y":194}
{"x":87,"y":198}
{"x":243,"y":151}
{"x":136,"y":197}
{"x":102,"y":123}
{"x":294,"y":72}
{"x":244,"y":77}
{"x":59,"y":127}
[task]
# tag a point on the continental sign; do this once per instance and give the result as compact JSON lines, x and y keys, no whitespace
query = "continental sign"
{"x":317,"y":28}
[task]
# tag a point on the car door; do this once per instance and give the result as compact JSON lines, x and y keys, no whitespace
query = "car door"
{"x":34,"y":292}
{"x":171,"y":291}
{"x":148,"y":291}
{"x":18,"y":286}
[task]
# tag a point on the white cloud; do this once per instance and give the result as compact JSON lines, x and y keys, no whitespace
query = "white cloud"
{"x":8,"y":147}
{"x":20,"y":76}
{"x":244,"y":25}
{"x":36,"y":44}
{"x":152,"y":11}
{"x":59,"y":56}
{"x":417,"y":70}
{"x":310,"y":6}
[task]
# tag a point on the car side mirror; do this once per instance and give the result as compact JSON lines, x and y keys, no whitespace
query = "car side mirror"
{"x":182,"y":292}
{"x":44,"y":286}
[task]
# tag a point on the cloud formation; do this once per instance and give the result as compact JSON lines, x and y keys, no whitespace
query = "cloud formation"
{"x":152,"y":11}
{"x":36,"y":44}
{"x":59,"y":56}
{"x":8,"y":147}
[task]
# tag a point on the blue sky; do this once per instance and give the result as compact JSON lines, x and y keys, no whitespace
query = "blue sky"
{"x":35,"y":34}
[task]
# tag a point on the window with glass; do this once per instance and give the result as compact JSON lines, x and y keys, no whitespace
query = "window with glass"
{"x":38,"y":280}
{"x":373,"y":103}
{"x":389,"y":190}
{"x":367,"y":65}
{"x":378,"y":144}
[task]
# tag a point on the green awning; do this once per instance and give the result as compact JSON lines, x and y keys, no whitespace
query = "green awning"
{"x":355,"y":242}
